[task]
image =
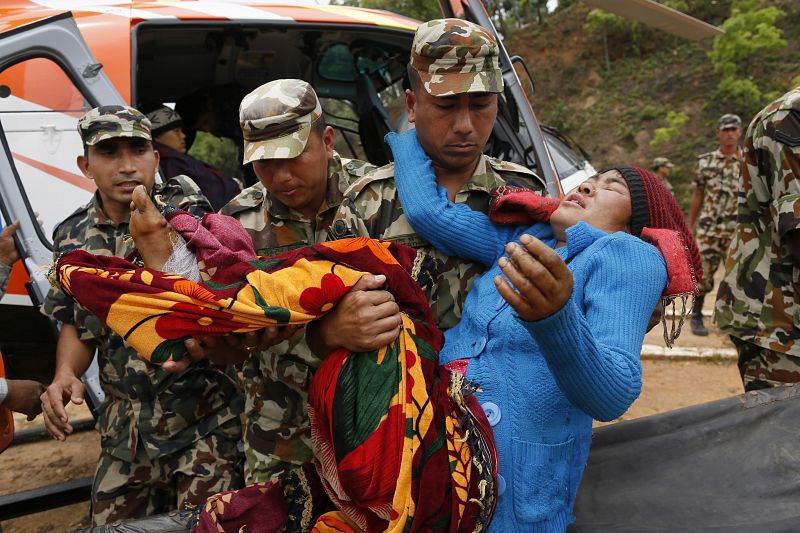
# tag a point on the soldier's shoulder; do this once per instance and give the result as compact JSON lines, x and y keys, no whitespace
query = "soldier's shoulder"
{"x":706,"y":159}
{"x":516,"y":174}
{"x":178,"y":185}
{"x":372,"y":182}
{"x":357,"y":169}
{"x":248,"y":199}
{"x":507,"y":166}
{"x":73,"y":223}
{"x":781,"y":120}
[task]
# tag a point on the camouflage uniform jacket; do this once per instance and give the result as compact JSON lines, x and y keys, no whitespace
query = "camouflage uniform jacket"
{"x":276,"y":380}
{"x":143,"y":403}
{"x":759,"y":298}
{"x":372,"y":208}
{"x":718,"y":176}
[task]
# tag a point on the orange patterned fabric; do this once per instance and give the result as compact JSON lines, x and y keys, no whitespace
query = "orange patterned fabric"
{"x":400,"y":444}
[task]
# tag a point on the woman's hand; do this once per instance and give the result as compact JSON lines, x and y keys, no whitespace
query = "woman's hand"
{"x":542,"y":280}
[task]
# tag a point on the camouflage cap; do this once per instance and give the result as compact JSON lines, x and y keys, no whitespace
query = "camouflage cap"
{"x":276,"y":119}
{"x":454,"y":56}
{"x":729,"y":121}
{"x":661,"y":162}
{"x":164,"y":119}
{"x":112,"y":121}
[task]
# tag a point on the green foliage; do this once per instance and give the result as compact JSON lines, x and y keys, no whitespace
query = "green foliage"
{"x":673,"y":128}
{"x":750,"y":36}
{"x":795,"y":81}
{"x":217,"y":152}
{"x":561,"y":117}
{"x":677,"y":5}
{"x":600,"y":23}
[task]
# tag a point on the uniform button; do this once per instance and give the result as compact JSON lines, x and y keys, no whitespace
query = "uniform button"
{"x":350,"y":166}
{"x":339,"y":228}
{"x":478,"y":345}
{"x":492,"y":411}
{"x":501,"y":485}
{"x":259,"y":195}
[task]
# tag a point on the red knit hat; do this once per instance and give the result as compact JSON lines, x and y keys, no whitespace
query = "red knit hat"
{"x":654,"y":206}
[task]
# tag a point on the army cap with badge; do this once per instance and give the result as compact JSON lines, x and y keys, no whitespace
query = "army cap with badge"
{"x":454,"y":56}
{"x":729,"y":121}
{"x":276,"y":119}
{"x":111,"y":122}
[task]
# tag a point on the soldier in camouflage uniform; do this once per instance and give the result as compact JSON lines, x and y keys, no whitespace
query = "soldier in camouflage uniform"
{"x":455,"y":77}
{"x":167,"y":440}
{"x":712,"y":210}
{"x":301,"y":182}
{"x":758,"y":302}
{"x":662,"y":167}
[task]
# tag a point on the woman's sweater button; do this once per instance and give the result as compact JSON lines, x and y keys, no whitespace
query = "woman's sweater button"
{"x":492,"y":411}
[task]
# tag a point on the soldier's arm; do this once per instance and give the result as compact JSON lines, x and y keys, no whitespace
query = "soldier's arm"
{"x":73,"y":357}
{"x":695,"y":204}
{"x":230,"y":349}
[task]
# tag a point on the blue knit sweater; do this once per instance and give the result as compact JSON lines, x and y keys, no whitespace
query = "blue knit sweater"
{"x":542,"y":382}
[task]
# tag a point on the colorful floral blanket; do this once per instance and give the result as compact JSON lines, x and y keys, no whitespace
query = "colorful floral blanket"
{"x":399,"y":442}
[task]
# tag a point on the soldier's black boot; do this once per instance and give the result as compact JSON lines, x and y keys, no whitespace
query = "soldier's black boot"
{"x":698,"y":328}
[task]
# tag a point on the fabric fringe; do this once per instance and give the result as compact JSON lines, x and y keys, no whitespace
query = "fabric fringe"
{"x":673,"y":331}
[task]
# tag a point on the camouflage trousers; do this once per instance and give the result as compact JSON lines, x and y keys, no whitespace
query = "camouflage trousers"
{"x":123,"y":490}
{"x":713,"y":245}
{"x":277,"y":432}
{"x":761,"y":368}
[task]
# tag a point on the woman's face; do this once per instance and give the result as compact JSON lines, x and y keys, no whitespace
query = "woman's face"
{"x":602,"y":201}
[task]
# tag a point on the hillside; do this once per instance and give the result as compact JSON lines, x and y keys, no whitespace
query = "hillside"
{"x":614,"y":112}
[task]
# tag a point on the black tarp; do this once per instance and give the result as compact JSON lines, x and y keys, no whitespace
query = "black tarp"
{"x":730,"y":465}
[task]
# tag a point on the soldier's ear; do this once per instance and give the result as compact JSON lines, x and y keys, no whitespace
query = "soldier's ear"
{"x":328,"y":140}
{"x":411,"y":105}
{"x":157,"y":157}
{"x":83,"y":164}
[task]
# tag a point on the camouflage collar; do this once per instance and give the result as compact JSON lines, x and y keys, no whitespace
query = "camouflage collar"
{"x":736,"y":156}
{"x":487,"y":174}
{"x":95,"y":212}
{"x":337,"y":183}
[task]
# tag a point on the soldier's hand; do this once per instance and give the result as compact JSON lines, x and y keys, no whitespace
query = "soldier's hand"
{"x":230,"y":349}
{"x":8,"y":249}
{"x":24,"y":396}
{"x":64,"y":388}
{"x":366,"y":318}
{"x":543,"y":281}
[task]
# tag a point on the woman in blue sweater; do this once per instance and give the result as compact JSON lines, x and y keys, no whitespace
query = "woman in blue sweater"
{"x":552,"y":331}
